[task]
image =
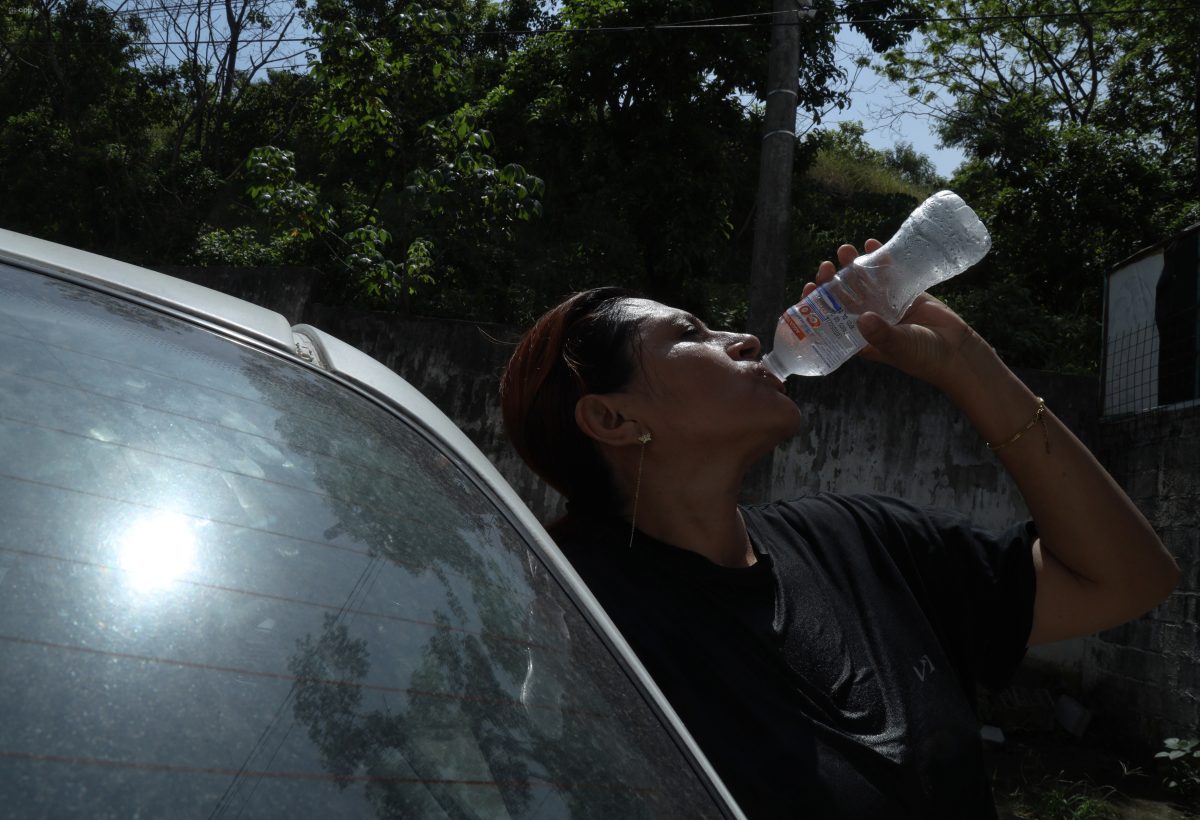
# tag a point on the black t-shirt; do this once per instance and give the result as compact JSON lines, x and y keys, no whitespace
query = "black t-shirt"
{"x":833,"y":678}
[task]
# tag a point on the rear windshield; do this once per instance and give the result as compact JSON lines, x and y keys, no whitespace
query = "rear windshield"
{"x":232,"y":587}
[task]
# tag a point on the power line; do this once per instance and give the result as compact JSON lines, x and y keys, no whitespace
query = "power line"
{"x":164,"y":8}
{"x":714,"y":23}
{"x":984,"y":18}
{"x":725,"y":21}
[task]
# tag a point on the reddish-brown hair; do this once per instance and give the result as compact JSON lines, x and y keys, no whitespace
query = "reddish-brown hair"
{"x":587,"y":344}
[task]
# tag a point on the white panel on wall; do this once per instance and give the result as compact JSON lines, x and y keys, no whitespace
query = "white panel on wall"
{"x":1131,"y":338}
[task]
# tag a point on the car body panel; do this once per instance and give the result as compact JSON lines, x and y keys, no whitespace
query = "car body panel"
{"x":348,"y":361}
{"x":310,"y":347}
{"x":195,"y":300}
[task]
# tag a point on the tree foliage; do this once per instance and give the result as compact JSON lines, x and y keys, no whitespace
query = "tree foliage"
{"x":479,"y":159}
{"x":649,"y":140}
{"x":1080,"y":129}
{"x":76,"y":118}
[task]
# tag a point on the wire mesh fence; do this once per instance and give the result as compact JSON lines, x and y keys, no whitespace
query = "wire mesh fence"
{"x":1151,"y":402}
{"x":1153,"y":367}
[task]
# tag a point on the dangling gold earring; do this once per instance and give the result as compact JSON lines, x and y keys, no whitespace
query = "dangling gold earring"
{"x":644,"y":438}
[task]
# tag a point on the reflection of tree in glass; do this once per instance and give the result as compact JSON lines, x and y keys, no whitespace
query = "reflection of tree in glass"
{"x":325,"y":706}
{"x":440,"y":755}
{"x":508,"y":706}
{"x":395,"y":495}
{"x":393,"y":491}
{"x":122,"y":309}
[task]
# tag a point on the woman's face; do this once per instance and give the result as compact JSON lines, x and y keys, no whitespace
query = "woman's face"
{"x":700,"y":387}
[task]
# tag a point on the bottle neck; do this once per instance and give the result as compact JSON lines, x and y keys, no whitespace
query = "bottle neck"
{"x":775,"y":366}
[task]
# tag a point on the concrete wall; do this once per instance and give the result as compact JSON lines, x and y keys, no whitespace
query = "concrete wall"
{"x":870,"y":429}
{"x":284,"y":290}
{"x":1145,"y":675}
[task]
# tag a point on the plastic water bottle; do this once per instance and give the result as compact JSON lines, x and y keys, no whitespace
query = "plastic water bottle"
{"x":940,"y":239}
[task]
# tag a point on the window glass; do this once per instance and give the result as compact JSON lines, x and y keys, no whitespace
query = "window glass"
{"x":231,"y":587}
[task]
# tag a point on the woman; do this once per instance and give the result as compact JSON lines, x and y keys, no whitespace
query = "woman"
{"x":823,"y":651}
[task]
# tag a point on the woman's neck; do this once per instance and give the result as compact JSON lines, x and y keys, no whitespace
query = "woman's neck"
{"x":693,"y":515}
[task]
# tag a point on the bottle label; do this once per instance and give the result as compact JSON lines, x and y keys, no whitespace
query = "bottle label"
{"x":835,"y":335}
{"x":795,"y":322}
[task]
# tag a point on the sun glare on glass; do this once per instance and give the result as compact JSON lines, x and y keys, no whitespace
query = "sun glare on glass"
{"x":155,"y":551}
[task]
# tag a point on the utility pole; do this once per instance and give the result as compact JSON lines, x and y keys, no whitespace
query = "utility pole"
{"x":1196,"y":97}
{"x":773,"y":206}
{"x":769,"y":262}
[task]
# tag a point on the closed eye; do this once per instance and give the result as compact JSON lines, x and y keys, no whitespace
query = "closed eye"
{"x":691,"y":326}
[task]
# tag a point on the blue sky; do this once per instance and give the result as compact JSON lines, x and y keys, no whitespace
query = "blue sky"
{"x":878,"y":105}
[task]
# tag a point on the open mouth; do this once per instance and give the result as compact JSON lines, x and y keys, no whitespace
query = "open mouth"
{"x":770,"y":377}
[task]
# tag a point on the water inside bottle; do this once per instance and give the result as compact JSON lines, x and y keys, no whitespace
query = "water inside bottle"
{"x":940,"y":239}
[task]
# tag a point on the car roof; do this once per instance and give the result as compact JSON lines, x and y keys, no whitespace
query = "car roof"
{"x":312,"y":345}
{"x":248,"y":320}
{"x":228,"y":311}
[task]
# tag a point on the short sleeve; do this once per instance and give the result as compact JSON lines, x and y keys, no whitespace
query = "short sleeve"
{"x":977,"y":586}
{"x":974,"y":586}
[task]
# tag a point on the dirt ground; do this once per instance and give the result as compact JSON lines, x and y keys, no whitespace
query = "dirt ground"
{"x":1051,"y":775}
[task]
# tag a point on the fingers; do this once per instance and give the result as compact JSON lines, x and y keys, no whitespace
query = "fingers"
{"x":845,"y":255}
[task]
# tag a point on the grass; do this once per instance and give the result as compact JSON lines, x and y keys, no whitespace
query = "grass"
{"x":1060,"y":798}
{"x":1046,"y":776}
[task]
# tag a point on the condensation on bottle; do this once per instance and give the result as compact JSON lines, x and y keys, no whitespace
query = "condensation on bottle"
{"x":939,"y":240}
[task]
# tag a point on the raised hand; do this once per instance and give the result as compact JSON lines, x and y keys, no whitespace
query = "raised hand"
{"x":927,"y":343}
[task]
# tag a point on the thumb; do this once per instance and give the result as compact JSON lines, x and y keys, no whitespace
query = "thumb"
{"x":874,"y":329}
{"x":904,"y":346}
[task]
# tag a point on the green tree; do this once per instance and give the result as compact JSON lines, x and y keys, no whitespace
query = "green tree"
{"x":850,"y":192}
{"x":647,"y":137}
{"x":1074,"y":153}
{"x":76,"y":114}
{"x":404,"y":191}
{"x":912,"y":166}
{"x":210,"y":54}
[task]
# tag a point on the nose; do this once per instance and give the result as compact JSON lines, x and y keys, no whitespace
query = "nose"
{"x":744,"y":346}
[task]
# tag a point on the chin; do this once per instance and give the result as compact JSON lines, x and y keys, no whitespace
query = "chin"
{"x":775,"y":432}
{"x":790,"y":422}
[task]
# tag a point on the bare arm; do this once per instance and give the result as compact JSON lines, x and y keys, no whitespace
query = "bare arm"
{"x":1098,"y":561}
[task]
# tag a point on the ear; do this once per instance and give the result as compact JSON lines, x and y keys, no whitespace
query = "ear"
{"x":600,"y":418}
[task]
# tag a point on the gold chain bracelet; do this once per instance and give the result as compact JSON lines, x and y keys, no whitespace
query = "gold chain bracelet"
{"x":1039,"y":416}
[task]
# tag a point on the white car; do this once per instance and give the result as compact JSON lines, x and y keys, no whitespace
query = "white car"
{"x":247,"y":571}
